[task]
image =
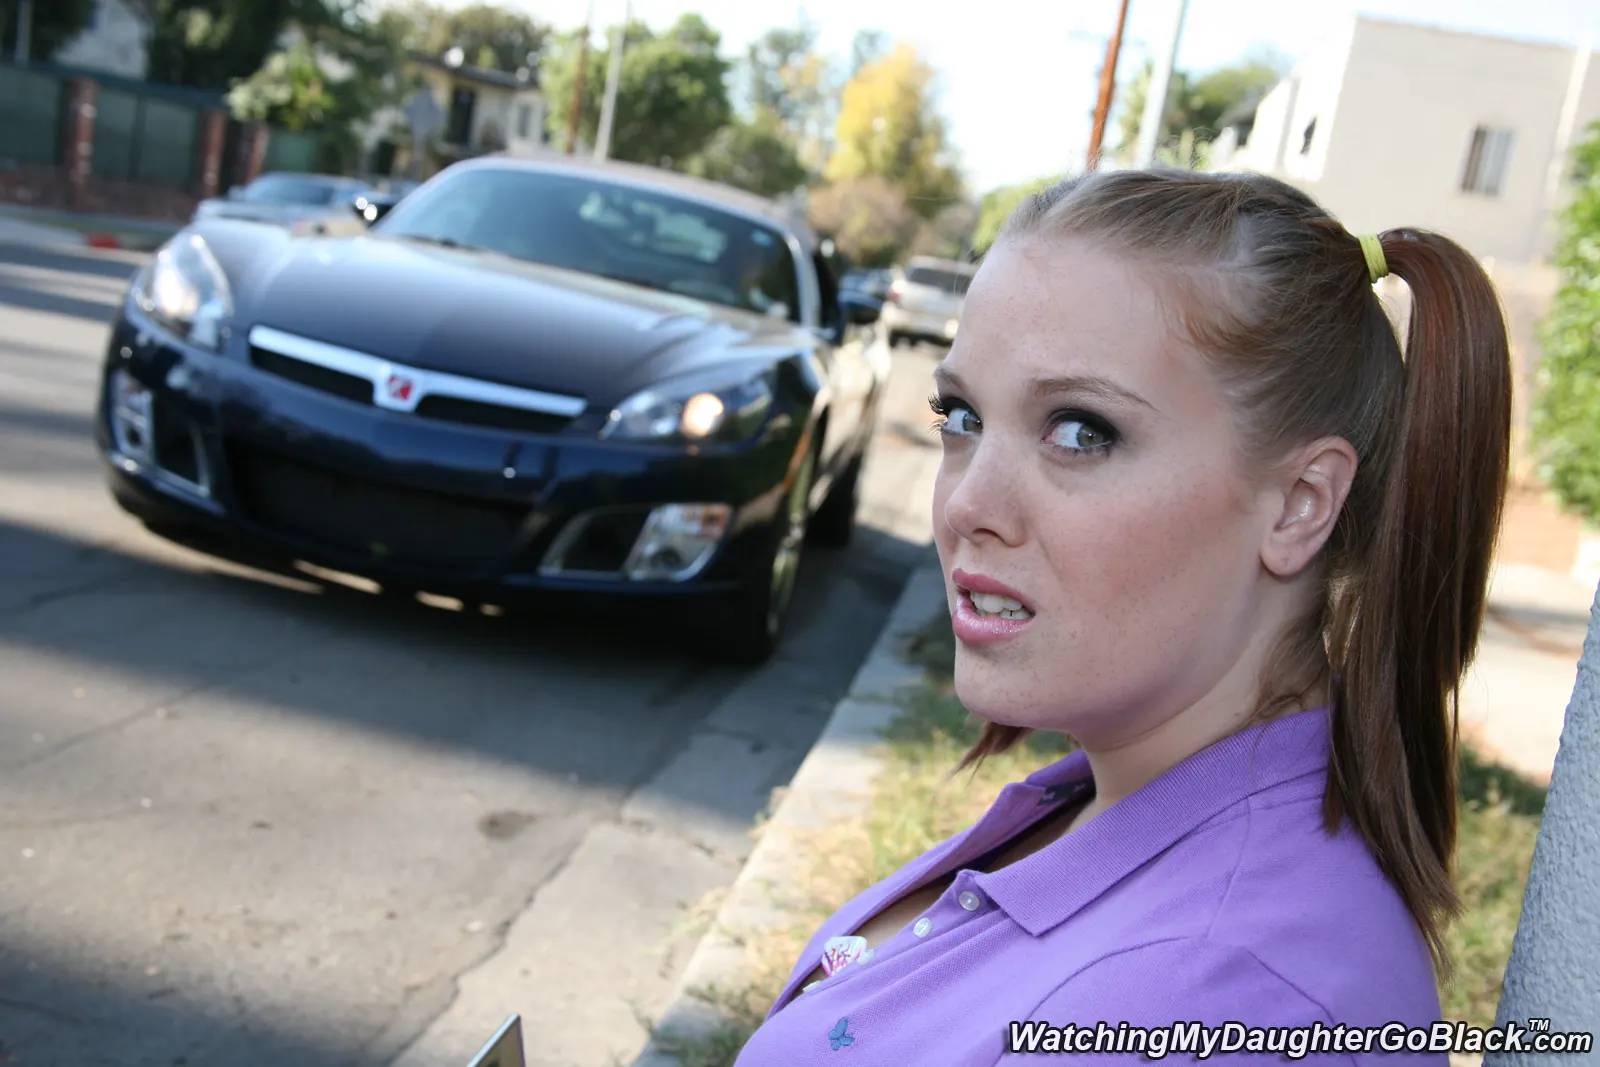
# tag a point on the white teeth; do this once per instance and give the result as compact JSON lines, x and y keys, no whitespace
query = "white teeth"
{"x":1003,"y":606}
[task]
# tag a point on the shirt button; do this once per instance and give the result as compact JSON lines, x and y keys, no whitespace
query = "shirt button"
{"x":924,"y":924}
{"x":969,"y":900}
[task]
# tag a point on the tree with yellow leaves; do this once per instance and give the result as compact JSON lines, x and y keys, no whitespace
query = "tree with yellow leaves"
{"x":888,"y":128}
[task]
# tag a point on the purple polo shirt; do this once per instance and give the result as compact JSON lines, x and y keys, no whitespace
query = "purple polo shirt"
{"x":1212,"y":895}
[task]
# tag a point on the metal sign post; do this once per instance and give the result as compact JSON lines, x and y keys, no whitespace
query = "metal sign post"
{"x":425,"y":117}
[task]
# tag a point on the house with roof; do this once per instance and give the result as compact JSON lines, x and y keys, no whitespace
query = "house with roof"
{"x":469,"y":110}
{"x":1391,"y":123}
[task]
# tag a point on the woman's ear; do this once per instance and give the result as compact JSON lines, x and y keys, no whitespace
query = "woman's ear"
{"x":1314,"y":485}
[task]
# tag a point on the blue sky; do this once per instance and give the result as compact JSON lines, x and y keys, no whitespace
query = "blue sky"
{"x":1018,"y":82}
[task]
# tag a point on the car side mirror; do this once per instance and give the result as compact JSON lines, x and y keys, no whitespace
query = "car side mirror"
{"x":859,"y":309}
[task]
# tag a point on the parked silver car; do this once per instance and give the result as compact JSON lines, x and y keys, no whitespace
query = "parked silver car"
{"x":925,"y":300}
{"x":301,"y":203}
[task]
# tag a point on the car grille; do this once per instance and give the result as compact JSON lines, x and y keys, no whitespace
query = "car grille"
{"x":442,"y":408}
{"x":494,"y":416}
{"x":322,"y":379}
{"x":370,"y":520}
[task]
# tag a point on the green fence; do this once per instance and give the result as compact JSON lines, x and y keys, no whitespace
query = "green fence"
{"x":30,"y":115}
{"x":290,"y":151}
{"x":141,"y":139}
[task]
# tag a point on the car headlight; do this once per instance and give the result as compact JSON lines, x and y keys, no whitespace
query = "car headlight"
{"x":725,"y":404}
{"x":186,"y":292}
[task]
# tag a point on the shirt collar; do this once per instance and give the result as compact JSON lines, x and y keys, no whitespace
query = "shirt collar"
{"x":1045,"y":889}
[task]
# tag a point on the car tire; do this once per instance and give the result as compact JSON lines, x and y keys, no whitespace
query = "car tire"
{"x":749,"y":631}
{"x":835,"y":521}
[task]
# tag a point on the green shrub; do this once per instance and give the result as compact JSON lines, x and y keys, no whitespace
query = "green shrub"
{"x":1565,"y":423}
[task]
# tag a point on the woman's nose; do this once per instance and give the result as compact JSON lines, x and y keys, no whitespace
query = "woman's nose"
{"x":982,"y":497}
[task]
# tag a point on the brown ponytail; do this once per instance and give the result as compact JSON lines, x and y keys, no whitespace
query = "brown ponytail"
{"x":1279,"y":297}
{"x":1404,"y":638}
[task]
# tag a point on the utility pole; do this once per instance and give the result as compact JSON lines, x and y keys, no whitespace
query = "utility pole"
{"x":1550,"y":202}
{"x":24,"y":29}
{"x":1155,"y":103}
{"x":608,"y":108}
{"x":576,"y":109}
{"x":1108,"y":83}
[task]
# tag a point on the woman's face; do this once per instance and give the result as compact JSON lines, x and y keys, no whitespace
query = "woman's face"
{"x":1090,"y":467}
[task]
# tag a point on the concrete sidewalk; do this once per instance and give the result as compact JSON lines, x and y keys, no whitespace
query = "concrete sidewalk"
{"x":1514,"y":699}
{"x":49,"y":229}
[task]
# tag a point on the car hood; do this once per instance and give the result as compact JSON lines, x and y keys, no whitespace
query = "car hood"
{"x":498,"y":319}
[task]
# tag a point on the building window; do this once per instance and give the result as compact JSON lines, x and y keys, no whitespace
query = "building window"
{"x":1488,"y":158}
{"x":524,"y":121}
{"x":1308,"y":136}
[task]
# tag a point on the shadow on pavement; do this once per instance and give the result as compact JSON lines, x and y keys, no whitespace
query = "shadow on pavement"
{"x":118,"y":266}
{"x":238,"y":653}
{"x":142,"y":1020}
{"x":29,"y":298}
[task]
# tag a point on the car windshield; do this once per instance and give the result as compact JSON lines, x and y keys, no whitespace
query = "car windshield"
{"x":641,"y":236}
{"x":284,"y":189}
{"x":949,"y":281}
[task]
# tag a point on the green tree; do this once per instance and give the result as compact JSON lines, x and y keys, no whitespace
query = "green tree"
{"x":868,"y":46}
{"x":53,"y":25}
{"x":786,"y":76}
{"x":1195,"y":104}
{"x":996,"y":207}
{"x":327,"y":83}
{"x":491,"y":36}
{"x":672,"y":95}
{"x":888,"y":128}
{"x":211,"y":44}
{"x":757,"y":154}
{"x":1565,"y":416}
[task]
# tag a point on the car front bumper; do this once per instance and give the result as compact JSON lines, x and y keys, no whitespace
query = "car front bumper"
{"x":231,"y":448}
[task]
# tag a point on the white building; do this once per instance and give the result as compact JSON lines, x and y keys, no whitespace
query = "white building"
{"x":1396,"y":124}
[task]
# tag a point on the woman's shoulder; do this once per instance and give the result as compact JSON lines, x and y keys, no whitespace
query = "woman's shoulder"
{"x":1268,"y":897}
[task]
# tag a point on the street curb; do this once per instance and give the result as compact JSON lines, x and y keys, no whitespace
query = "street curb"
{"x":834,"y":780}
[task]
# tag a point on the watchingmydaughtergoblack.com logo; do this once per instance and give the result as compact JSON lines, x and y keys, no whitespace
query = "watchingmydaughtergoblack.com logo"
{"x":1292,"y":1042}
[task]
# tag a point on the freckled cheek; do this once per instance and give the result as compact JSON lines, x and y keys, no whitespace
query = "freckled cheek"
{"x":1141,"y":560}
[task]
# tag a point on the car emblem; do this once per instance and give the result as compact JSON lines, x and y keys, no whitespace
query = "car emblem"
{"x":400,"y":388}
{"x":399,"y":391}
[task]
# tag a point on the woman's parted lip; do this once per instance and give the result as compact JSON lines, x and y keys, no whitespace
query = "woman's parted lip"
{"x":981,"y":583}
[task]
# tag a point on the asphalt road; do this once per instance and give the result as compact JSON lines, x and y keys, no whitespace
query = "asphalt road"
{"x":248,"y":817}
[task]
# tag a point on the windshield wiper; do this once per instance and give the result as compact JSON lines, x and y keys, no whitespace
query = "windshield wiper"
{"x":442,"y":242}
{"x":630,"y":279}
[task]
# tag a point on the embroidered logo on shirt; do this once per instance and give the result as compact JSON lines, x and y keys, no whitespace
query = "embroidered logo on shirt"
{"x":839,"y":1037}
{"x":840,"y":952}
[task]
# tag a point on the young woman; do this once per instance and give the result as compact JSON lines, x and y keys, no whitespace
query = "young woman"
{"x":1198,"y":512}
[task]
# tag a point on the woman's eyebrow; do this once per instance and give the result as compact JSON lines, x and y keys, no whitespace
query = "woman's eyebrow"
{"x":1091,"y":385}
{"x":1084,"y":385}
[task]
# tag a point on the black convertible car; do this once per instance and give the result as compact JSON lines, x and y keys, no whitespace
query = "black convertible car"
{"x":530,"y":375}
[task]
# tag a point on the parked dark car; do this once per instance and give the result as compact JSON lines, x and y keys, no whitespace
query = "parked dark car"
{"x":532,"y":375}
{"x":302,"y":203}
